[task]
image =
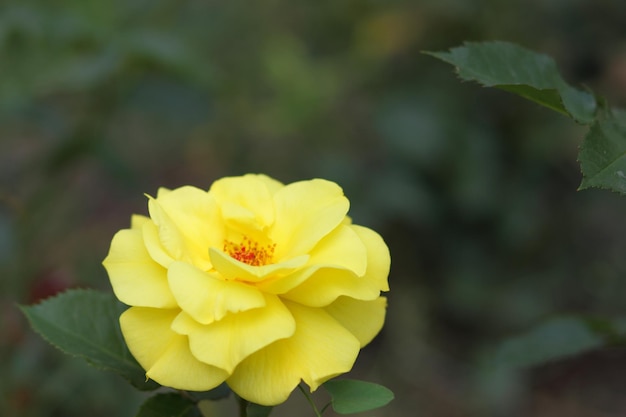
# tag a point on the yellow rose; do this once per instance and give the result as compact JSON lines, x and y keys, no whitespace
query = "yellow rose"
{"x":255,"y":283}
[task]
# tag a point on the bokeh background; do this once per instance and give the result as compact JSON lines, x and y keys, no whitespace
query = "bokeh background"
{"x":473,"y":189}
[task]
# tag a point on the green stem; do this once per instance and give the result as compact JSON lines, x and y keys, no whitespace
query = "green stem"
{"x":310,"y":400}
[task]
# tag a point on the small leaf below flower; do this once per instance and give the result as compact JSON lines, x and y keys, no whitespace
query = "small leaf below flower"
{"x":351,"y":396}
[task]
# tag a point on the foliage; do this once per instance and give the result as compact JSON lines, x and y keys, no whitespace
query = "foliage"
{"x":553,"y":339}
{"x":535,"y":77}
{"x":515,"y":69}
{"x":350,"y":396}
{"x":602,"y":157}
{"x":85,"y":323}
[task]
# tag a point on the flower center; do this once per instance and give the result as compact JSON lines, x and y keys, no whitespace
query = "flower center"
{"x":250,"y":252}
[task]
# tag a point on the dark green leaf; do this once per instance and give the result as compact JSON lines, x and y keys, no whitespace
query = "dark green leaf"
{"x":603,"y":155}
{"x":350,"y":396}
{"x":521,"y":71}
{"x":256,"y":410}
{"x":85,"y":323}
{"x":168,"y":405}
{"x":554,"y":339}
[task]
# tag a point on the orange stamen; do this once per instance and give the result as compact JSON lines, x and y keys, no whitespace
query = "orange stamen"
{"x":250,"y":252}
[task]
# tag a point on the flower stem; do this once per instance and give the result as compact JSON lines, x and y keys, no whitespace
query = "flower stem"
{"x":310,"y":400}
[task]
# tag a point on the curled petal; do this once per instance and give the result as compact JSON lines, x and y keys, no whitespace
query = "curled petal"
{"x":136,"y":279}
{"x":227,"y":342}
{"x":341,"y":249}
{"x":207,"y":297}
{"x":306,"y":211}
{"x":188,"y":222}
{"x":153,"y":244}
{"x":165,"y":354}
{"x":246,"y":202}
{"x":195,"y":213}
{"x":325,"y":285}
{"x":363,"y":319}
{"x":378,"y":257}
{"x":170,"y":237}
{"x":234,"y":269}
{"x":319,"y":349}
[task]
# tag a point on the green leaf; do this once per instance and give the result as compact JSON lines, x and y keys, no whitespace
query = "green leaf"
{"x":168,"y":405}
{"x":555,"y":339}
{"x":256,"y":410}
{"x":518,"y":70}
{"x":85,"y":323}
{"x":351,"y":396}
{"x":602,"y":155}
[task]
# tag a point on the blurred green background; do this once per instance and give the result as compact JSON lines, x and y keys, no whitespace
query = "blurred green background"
{"x":473,"y":189}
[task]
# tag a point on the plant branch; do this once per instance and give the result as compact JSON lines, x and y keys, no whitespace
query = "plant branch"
{"x":310,"y":400}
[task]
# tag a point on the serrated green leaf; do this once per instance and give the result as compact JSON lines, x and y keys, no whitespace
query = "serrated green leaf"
{"x":256,"y":410}
{"x":602,"y":155}
{"x":351,"y":396}
{"x":555,"y":339}
{"x":168,"y":405}
{"x":521,"y":71}
{"x":85,"y":323}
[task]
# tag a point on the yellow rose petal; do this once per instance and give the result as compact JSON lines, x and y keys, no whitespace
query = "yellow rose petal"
{"x":147,"y":332}
{"x":137,"y":221}
{"x":246,"y":202}
{"x":363,"y":319}
{"x":206,"y":297}
{"x":170,"y":237}
{"x":153,"y":244}
{"x":188,"y":223}
{"x":326,"y":284}
{"x":319,"y":349}
{"x":323,"y":286}
{"x":164,"y":354}
{"x":271,"y":184}
{"x":162,"y":192}
{"x":136,"y":279}
{"x":196,"y":214}
{"x":282,"y":284}
{"x":234,"y":269}
{"x":306,"y":211}
{"x":341,"y":249}
{"x":178,"y":368}
{"x":378,"y":258}
{"x":227,"y":342}
{"x":184,"y":324}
